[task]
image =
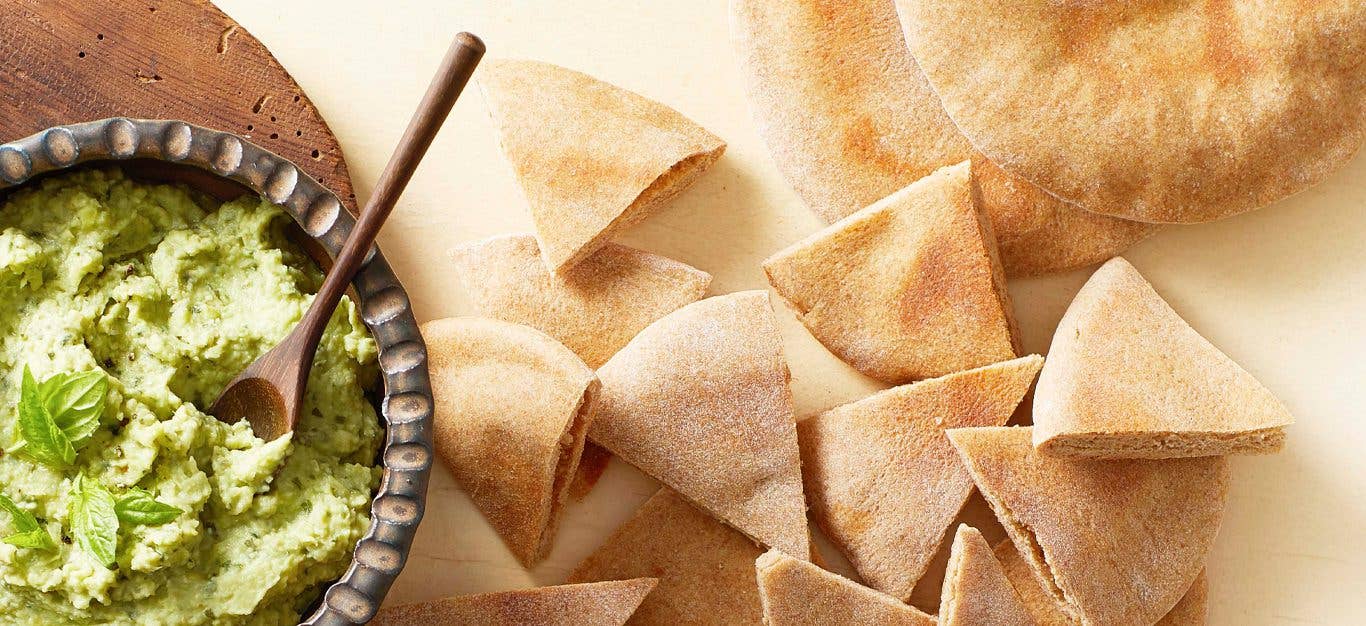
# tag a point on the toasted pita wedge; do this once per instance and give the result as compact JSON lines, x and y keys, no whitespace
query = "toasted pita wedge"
{"x":512,"y":410}
{"x":976,"y":591}
{"x":593,"y":308}
{"x":705,"y":568}
{"x":699,"y":400}
{"x":1168,"y":392}
{"x":1045,"y":610}
{"x":608,"y":603}
{"x":1114,"y":542}
{"x":1180,"y":111}
{"x":797,"y":593}
{"x":883,"y":482}
{"x":907,"y":288}
{"x":592,"y":158}
{"x":850,"y":119}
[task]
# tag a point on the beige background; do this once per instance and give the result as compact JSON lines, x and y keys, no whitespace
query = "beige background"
{"x":1281,"y":290}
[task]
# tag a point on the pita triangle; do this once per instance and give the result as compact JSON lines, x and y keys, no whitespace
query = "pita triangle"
{"x":1168,"y":391}
{"x":882,"y":479}
{"x":1046,"y":611}
{"x":1114,"y":542}
{"x":699,"y":400}
{"x":608,"y":603}
{"x":976,"y":591}
{"x":705,"y":568}
{"x":797,"y":593}
{"x":593,"y":308}
{"x":907,"y":288}
{"x":591,"y":157}
{"x":512,"y":412}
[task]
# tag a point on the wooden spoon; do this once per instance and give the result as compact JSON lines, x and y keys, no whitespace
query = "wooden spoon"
{"x":270,"y":392}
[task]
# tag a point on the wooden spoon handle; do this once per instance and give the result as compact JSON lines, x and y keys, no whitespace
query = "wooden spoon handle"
{"x":456,"y":68}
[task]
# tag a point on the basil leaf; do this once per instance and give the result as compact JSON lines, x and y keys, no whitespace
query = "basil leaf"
{"x":36,"y":539}
{"x":28,"y":532}
{"x":75,"y":402}
{"x":44,"y":440}
{"x":93,"y":521}
{"x":138,"y":507}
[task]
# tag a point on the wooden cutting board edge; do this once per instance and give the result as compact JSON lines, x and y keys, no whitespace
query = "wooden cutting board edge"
{"x":67,"y":61}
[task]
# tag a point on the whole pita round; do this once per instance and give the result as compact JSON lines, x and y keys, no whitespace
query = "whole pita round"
{"x":849,"y":119}
{"x":608,"y":603}
{"x":512,"y":411}
{"x":1113,"y":542}
{"x":1182,"y":111}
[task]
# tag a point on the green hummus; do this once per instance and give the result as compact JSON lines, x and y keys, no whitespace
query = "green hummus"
{"x":170,"y":295}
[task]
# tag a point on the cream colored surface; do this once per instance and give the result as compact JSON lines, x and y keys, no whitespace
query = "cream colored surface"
{"x":1280,"y":290}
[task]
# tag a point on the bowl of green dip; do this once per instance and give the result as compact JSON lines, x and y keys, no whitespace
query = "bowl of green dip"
{"x":143,"y":263}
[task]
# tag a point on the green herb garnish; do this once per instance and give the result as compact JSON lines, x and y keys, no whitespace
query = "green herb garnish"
{"x":96,"y":515}
{"x":28,"y":533}
{"x":138,"y":507}
{"x":93,"y":521}
{"x":58,"y":416}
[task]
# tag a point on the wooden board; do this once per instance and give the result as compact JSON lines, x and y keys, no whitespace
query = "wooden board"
{"x":65,"y":61}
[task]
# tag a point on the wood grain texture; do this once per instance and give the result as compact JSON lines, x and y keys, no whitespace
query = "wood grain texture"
{"x":65,"y":61}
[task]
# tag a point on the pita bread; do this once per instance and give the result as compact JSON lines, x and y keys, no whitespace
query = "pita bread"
{"x":976,"y":591}
{"x":797,"y":593}
{"x":592,"y":158}
{"x":849,"y":119}
{"x":594,"y":308}
{"x":1168,"y":392}
{"x":592,"y":604}
{"x":705,"y":568}
{"x":883,"y":482}
{"x":1115,"y":542}
{"x":1179,"y":111}
{"x":1190,"y":611}
{"x":699,"y":400}
{"x":512,"y":410}
{"x":907,"y":288}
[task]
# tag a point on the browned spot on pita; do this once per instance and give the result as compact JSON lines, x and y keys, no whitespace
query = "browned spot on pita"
{"x":863,"y":143}
{"x":932,"y":282}
{"x":1080,"y":26}
{"x":1224,"y":48}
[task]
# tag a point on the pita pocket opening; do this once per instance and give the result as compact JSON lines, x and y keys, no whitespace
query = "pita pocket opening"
{"x":512,"y":413}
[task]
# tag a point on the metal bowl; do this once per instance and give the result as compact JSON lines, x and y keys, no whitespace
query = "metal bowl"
{"x":225,"y":165}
